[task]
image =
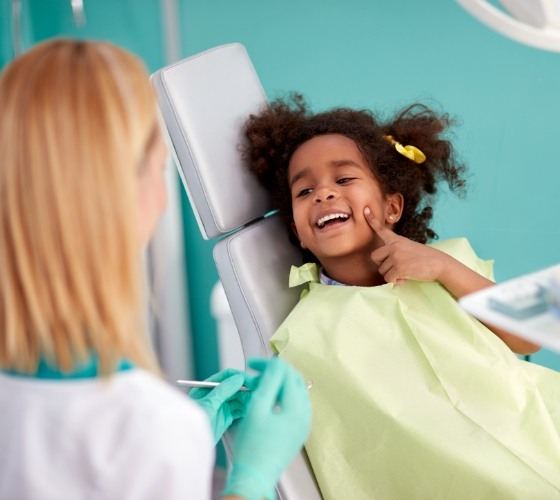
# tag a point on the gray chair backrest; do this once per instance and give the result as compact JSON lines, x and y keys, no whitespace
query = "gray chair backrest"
{"x":204,"y":102}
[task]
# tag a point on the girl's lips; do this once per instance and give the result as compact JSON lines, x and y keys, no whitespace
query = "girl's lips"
{"x":335,"y":224}
{"x":331,"y":217}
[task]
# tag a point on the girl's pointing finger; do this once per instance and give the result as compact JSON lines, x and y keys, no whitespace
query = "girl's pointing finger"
{"x":383,"y":232}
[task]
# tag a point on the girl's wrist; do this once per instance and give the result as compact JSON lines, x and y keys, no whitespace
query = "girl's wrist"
{"x":446,"y":264}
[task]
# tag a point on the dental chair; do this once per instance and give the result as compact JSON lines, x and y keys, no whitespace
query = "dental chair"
{"x":204,"y":102}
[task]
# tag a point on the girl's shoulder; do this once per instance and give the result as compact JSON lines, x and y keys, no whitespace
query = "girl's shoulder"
{"x":461,"y":250}
{"x":454,"y":247}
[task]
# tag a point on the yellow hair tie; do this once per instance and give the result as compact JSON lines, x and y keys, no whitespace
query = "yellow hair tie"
{"x":411,"y":152}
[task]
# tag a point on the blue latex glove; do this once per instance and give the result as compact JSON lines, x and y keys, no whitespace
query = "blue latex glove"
{"x":274,"y":429}
{"x":225,"y":403}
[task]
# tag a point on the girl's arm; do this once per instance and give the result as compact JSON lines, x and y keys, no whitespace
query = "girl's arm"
{"x":405,"y":259}
{"x":459,"y":280}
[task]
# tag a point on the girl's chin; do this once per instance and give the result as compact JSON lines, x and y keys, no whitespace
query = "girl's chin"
{"x":349,"y":255}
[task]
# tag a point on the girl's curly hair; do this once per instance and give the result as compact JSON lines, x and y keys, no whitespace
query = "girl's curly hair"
{"x":274,"y":134}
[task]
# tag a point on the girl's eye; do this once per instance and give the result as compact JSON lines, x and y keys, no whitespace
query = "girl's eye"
{"x":344,"y":180}
{"x":303,"y":192}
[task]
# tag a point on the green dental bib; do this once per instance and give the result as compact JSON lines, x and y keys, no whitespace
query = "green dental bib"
{"x":415,"y":399}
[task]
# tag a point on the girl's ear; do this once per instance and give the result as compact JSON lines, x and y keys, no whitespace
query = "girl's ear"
{"x":294,"y":230}
{"x":394,"y":205}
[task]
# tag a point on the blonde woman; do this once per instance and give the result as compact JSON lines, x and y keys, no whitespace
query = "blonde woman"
{"x":84,"y":413}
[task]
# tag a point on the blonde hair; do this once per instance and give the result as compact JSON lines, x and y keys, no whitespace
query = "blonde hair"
{"x":76,"y":121}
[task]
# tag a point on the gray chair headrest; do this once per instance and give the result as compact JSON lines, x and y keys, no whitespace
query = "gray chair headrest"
{"x":205,"y":100}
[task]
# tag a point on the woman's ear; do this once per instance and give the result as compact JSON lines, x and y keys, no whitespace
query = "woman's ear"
{"x":394,"y":205}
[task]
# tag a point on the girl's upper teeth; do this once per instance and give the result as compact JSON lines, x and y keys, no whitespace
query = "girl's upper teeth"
{"x":326,"y":218}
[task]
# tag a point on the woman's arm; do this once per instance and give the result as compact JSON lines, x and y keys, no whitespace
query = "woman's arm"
{"x":459,"y":280}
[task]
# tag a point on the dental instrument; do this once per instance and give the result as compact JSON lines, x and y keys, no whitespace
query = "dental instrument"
{"x":204,"y":384}
{"x":209,"y":385}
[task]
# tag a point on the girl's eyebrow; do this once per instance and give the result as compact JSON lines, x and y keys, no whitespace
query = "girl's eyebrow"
{"x":345,"y":163}
{"x":302,"y":173}
{"x":335,"y":163}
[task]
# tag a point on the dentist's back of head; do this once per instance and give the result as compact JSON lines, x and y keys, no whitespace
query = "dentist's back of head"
{"x":76,"y":123}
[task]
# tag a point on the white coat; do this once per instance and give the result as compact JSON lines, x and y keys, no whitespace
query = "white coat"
{"x":131,"y":437}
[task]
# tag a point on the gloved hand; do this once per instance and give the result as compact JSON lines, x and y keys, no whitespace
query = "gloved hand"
{"x":225,"y":403}
{"x":274,"y":429}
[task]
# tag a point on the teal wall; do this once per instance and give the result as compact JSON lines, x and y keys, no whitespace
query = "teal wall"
{"x":382,"y":55}
{"x":5,"y":32}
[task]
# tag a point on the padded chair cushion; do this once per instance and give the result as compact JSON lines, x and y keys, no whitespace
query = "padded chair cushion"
{"x":204,"y":101}
{"x":254,"y":265}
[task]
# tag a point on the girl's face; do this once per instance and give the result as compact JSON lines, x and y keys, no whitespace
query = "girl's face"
{"x":152,"y":193}
{"x":331,"y":184}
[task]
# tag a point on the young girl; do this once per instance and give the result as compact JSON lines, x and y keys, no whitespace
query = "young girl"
{"x":412,"y":397}
{"x":84,"y":411}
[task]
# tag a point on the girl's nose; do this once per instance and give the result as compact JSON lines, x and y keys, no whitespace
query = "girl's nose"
{"x":324,"y":194}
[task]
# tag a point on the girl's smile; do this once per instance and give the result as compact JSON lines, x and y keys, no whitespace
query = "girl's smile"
{"x":330,"y":220}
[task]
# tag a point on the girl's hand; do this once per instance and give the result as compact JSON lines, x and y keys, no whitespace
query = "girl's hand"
{"x":400,"y":259}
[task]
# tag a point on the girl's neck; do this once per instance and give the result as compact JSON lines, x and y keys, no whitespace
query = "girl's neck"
{"x":353,"y":270}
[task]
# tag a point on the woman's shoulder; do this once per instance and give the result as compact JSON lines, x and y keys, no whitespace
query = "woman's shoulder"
{"x":154,"y":396}
{"x":132,"y":420}
{"x":166,"y":430}
{"x":162,"y":430}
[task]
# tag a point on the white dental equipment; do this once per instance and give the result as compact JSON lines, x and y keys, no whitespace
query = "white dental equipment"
{"x":533,"y":22}
{"x":527,"y":306}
